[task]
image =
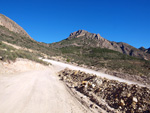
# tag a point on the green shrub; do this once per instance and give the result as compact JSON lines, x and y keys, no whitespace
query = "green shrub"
{"x":68,"y":60}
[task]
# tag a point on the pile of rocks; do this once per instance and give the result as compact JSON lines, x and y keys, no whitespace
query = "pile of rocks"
{"x":118,"y":95}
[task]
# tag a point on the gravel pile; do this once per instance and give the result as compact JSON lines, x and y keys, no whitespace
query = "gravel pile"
{"x":120,"y":96}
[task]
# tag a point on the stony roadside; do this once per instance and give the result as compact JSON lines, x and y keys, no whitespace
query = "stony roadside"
{"x":110,"y":95}
{"x":143,"y":79}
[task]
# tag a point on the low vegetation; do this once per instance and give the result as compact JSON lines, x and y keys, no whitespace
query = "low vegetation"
{"x":8,"y":53}
{"x":105,"y":58}
{"x":25,"y":42}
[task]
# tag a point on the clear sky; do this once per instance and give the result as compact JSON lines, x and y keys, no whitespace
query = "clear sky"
{"x":53,"y":20}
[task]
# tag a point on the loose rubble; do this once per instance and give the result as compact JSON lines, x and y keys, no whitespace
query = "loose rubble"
{"x":120,"y":96}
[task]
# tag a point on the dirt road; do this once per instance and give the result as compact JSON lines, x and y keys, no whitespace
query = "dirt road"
{"x":62,"y":66}
{"x":36,"y":92}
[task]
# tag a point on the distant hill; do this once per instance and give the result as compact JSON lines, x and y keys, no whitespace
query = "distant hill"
{"x":85,"y":38}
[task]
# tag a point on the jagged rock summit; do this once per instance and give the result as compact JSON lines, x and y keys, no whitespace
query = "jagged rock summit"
{"x":142,"y":49}
{"x":145,"y":50}
{"x":12,"y":26}
{"x":92,"y":39}
{"x":87,"y":34}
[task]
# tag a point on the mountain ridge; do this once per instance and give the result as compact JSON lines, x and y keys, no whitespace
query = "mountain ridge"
{"x":82,"y":32}
{"x":85,"y":38}
{"x":13,"y":26}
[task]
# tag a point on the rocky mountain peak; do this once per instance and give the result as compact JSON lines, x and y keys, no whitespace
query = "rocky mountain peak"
{"x":81,"y":33}
{"x":142,"y":49}
{"x":95,"y":40}
{"x":12,"y":26}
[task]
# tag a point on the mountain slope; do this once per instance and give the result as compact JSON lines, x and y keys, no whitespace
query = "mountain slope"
{"x":12,"y":33}
{"x":84,"y":38}
{"x":12,"y":26}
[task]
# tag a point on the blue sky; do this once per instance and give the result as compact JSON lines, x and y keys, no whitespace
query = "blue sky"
{"x":53,"y":20}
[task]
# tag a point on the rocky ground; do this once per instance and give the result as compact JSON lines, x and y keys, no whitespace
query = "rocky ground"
{"x":110,"y":95}
{"x":136,"y":78}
